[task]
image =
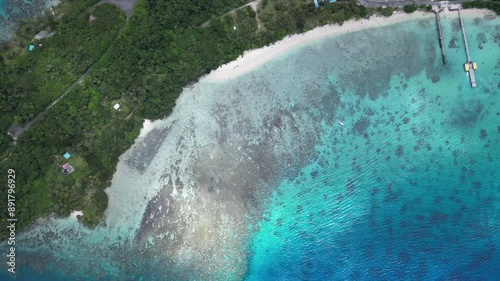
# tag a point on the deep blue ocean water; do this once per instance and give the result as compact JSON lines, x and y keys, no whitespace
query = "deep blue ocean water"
{"x":401,"y":180}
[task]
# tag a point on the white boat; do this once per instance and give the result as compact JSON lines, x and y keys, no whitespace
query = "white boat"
{"x":340,"y":122}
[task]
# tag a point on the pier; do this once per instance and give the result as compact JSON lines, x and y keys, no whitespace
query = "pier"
{"x":469,"y":65}
{"x":440,"y":28}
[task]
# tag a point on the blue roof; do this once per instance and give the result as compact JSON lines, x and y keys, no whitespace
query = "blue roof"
{"x":67,"y":155}
{"x":32,"y":47}
{"x":316,"y":2}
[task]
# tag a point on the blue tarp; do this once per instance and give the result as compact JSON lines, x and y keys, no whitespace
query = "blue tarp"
{"x":67,"y":155}
{"x":316,"y":2}
{"x":32,"y":47}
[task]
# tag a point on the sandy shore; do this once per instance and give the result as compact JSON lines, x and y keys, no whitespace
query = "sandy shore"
{"x":147,"y":127}
{"x":74,"y":215}
{"x":257,"y":57}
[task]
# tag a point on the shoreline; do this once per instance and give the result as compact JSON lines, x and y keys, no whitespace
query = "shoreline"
{"x":252,"y":59}
{"x":11,"y":21}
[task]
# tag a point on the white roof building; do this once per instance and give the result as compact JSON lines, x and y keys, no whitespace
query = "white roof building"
{"x":116,"y":106}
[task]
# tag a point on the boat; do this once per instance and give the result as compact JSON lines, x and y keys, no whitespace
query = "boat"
{"x":340,"y":122}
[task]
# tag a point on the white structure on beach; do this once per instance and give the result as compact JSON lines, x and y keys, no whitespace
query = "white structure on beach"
{"x":43,"y":34}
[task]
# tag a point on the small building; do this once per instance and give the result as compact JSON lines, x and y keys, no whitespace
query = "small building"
{"x":116,"y":106}
{"x":66,"y":155}
{"x":31,"y":48}
{"x":43,"y":34}
{"x":67,"y":169}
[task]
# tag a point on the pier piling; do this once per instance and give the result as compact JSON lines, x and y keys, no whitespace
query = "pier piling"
{"x":441,"y":39}
{"x":469,"y":65}
{"x":465,"y":36}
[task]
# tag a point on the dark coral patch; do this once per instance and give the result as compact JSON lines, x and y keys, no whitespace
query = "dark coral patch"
{"x":483,"y":134}
{"x":391,"y":196}
{"x":403,"y":210}
{"x":314,"y":174}
{"x":340,"y":198}
{"x":361,"y":125}
{"x":466,"y":115}
{"x":368,"y":111}
{"x":438,"y":217}
{"x":404,"y":257}
{"x":400,"y":151}
{"x":453,"y":44}
{"x":476,"y":185}
{"x":484,"y":256}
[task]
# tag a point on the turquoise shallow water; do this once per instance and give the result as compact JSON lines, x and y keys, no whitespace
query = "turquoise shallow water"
{"x":406,"y":189}
{"x":2,"y":7}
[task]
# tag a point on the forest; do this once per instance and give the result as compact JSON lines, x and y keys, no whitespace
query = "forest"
{"x":493,"y":5}
{"x":165,"y":45}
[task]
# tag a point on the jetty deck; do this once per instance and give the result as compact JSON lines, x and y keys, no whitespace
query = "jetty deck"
{"x":441,"y":38}
{"x":469,"y":65}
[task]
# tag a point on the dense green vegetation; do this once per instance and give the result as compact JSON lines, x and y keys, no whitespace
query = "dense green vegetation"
{"x":493,"y":5}
{"x":29,"y":82}
{"x":387,"y":11}
{"x":164,"y":47}
{"x":84,"y":123}
{"x":155,"y":58}
{"x":34,"y":79}
{"x":413,"y":7}
{"x":410,"y":8}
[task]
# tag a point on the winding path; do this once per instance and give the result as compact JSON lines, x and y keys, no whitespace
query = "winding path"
{"x":127,"y":6}
{"x":254,"y":5}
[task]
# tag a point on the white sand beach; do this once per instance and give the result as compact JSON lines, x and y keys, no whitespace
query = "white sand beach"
{"x":147,"y":127}
{"x":257,"y":57}
{"x":75,"y":214}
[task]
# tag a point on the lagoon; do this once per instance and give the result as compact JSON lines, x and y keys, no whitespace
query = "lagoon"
{"x":354,"y":157}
